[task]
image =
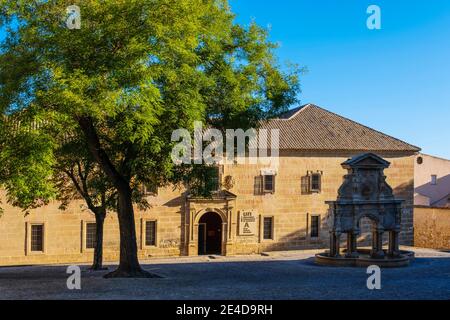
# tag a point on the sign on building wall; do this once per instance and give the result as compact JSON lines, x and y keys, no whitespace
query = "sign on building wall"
{"x":247,"y":223}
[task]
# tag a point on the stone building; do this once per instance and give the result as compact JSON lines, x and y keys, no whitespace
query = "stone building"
{"x":258,"y":207}
{"x":432,"y":181}
{"x":432,"y":202}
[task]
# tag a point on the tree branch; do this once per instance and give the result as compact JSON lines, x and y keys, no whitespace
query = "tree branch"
{"x":84,"y":194}
{"x":100,"y":155}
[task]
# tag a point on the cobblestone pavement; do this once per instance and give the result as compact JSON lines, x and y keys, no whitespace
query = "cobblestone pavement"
{"x":282,"y":275}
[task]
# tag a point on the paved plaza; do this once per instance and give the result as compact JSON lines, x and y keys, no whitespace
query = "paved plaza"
{"x":282,"y":275}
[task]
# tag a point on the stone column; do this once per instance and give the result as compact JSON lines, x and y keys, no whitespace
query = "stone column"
{"x":352,"y":251}
{"x":332,"y":244}
{"x":335,"y":244}
{"x":192,"y":229}
{"x":377,"y":244}
{"x":230,"y":224}
{"x":394,"y":250}
{"x":224,"y":238}
{"x":338,"y":244}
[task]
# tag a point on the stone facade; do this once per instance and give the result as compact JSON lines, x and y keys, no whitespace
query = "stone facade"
{"x":177,"y":216}
{"x":292,"y":210}
{"x":432,"y":227}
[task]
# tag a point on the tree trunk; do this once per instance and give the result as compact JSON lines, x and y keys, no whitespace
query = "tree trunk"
{"x":97,"y":265}
{"x":129,"y":265}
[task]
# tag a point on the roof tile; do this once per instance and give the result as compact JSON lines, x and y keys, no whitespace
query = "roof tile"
{"x":310,"y":127}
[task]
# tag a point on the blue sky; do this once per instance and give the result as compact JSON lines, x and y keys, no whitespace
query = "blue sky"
{"x":396,"y":79}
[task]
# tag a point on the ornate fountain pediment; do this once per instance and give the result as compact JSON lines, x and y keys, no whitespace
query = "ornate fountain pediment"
{"x":365,"y":180}
{"x":367,"y":161}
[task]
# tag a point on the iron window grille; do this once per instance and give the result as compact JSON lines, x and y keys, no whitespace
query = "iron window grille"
{"x":269,"y":183}
{"x":91,"y":232}
{"x":315,"y":226}
{"x":150,"y":233}
{"x":37,"y":238}
{"x":312,"y":182}
{"x":268,"y":228}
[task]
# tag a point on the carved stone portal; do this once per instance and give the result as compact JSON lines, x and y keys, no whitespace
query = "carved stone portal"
{"x":365,"y":194}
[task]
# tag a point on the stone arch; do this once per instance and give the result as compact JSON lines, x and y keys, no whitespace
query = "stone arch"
{"x":202,"y":212}
{"x":372,"y":217}
{"x":196,"y":224}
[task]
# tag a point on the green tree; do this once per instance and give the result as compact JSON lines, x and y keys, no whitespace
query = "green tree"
{"x":34,"y":151}
{"x":133,"y":73}
{"x":77,"y":176}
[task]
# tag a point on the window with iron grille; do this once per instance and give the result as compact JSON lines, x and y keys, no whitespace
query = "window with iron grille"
{"x":150,"y":233}
{"x":268,"y":228}
{"x":91,"y":231}
{"x":311,"y":183}
{"x":316,"y":182}
{"x":269,"y":183}
{"x":37,"y":238}
{"x":315,"y":225}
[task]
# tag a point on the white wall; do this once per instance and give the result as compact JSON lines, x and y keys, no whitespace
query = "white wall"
{"x":438,"y":194}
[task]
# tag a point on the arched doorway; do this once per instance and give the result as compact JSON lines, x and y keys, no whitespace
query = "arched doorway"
{"x":210,"y":234}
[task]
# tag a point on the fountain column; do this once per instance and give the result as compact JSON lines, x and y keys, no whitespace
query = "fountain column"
{"x":394,"y":250}
{"x":335,"y":246}
{"x":377,"y":244}
{"x":352,"y":251}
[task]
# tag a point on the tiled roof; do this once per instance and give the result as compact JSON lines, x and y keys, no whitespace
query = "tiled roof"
{"x":310,"y":127}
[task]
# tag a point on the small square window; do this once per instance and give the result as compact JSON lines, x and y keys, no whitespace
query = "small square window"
{"x":434,"y":180}
{"x":315,"y":226}
{"x":268,"y":228}
{"x":150,"y":233}
{"x":37,"y":238}
{"x":91,"y":232}
{"x":269,"y":183}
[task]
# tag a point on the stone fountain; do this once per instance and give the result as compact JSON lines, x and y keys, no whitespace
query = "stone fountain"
{"x":365,"y":194}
